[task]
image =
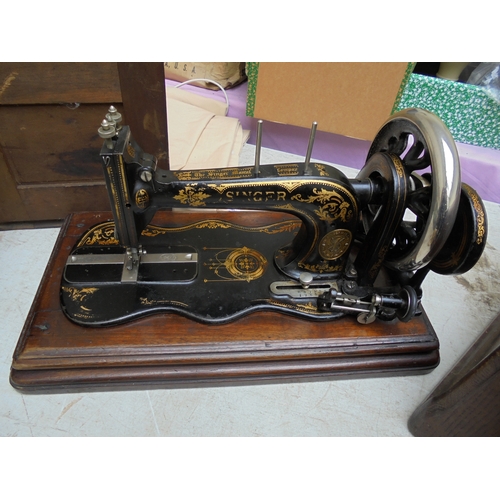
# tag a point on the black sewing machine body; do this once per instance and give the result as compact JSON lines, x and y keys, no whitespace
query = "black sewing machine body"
{"x":343,"y":246}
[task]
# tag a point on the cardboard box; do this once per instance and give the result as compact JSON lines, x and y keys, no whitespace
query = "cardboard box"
{"x":350,"y":99}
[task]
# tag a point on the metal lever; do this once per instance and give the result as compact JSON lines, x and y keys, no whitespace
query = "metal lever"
{"x":405,"y":306}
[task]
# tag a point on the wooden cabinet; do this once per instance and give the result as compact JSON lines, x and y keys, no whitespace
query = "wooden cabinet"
{"x":49,"y":145}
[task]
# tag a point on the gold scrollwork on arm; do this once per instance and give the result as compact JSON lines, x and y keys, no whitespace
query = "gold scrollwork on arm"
{"x":333,"y":205}
{"x":192,"y":195}
{"x":321,"y":170}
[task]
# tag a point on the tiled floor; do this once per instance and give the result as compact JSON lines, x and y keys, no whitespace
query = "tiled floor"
{"x":458,"y":307}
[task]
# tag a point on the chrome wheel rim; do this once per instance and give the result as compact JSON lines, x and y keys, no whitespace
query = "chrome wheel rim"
{"x":422,"y":142}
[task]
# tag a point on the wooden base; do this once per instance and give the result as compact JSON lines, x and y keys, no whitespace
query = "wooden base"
{"x":166,"y":350}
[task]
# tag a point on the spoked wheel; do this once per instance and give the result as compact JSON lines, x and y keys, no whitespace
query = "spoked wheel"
{"x":429,"y":157}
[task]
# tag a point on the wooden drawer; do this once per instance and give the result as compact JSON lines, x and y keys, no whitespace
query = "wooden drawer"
{"x":49,"y":146}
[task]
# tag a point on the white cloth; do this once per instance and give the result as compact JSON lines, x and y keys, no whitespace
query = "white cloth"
{"x":199,"y":134}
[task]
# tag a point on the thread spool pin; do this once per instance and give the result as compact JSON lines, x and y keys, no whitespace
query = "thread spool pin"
{"x":258,"y":146}
{"x":312,"y":135}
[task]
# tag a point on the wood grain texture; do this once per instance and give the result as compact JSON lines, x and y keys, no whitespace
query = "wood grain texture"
{"x":49,"y":116}
{"x":167,"y":350}
{"x":56,"y":83}
{"x":49,"y":145}
{"x":51,"y":162}
{"x":11,"y":206}
{"x":145,"y":107}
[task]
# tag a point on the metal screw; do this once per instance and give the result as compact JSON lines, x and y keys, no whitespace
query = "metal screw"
{"x":350,"y":285}
{"x":146,"y":176}
{"x":305,"y":279}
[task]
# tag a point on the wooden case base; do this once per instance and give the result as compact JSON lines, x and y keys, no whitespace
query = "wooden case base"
{"x":166,"y":350}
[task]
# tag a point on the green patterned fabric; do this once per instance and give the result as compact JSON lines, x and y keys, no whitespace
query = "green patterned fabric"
{"x":404,"y":83}
{"x":470,"y":114}
{"x":252,"y":69}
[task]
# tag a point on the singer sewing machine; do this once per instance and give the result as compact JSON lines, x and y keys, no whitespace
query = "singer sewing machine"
{"x":260,"y":272}
{"x":350,"y":248}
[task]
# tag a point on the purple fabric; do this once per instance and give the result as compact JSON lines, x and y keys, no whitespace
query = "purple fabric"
{"x":480,"y":166}
{"x":481,"y":170}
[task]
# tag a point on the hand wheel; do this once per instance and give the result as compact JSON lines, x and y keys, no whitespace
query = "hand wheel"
{"x":423,"y":144}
